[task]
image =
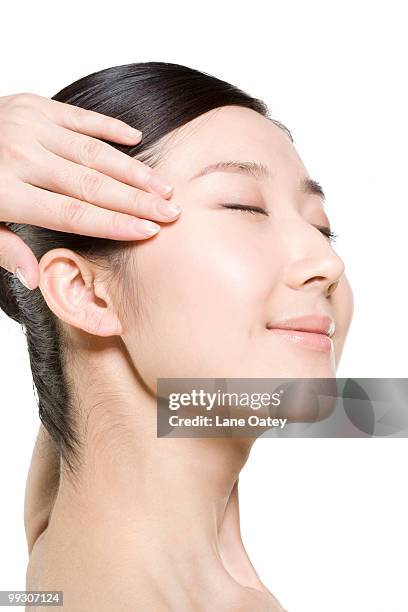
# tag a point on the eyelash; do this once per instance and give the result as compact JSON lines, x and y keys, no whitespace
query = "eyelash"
{"x":253,"y":210}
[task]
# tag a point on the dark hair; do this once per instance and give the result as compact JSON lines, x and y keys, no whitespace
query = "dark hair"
{"x":155,"y":97}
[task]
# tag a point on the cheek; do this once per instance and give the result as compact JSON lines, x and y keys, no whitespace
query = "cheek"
{"x":201,"y":286}
{"x":201,"y":302}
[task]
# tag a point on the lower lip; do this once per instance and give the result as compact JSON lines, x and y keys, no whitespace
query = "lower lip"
{"x":310,"y":340}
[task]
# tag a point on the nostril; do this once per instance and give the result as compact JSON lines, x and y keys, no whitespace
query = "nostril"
{"x":332,"y":288}
{"x":313,"y":279}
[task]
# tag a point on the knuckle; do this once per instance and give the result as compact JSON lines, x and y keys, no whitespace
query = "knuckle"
{"x":88,"y":151}
{"x":130,"y":168}
{"x":25,"y":98}
{"x":13,"y":150}
{"x":136,"y":199}
{"x":90,"y":185}
{"x":72,"y":213}
{"x":11,"y":107}
{"x":78,"y":116}
{"x":101,"y":120}
{"x":21,"y":105}
{"x":116,"y":223}
{"x":7,"y":187}
{"x":139,"y":171}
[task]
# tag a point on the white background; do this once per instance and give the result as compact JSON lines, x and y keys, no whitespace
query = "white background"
{"x":324,"y":521}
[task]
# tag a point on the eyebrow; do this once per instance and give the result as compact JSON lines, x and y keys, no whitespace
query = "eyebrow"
{"x":258,"y":171}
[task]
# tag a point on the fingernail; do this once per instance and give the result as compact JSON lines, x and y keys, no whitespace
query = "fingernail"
{"x":145,"y":227}
{"x":132,"y":132}
{"x":22,"y":277}
{"x":166,"y":209}
{"x":159,"y":184}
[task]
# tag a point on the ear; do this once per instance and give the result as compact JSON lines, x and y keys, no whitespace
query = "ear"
{"x":70,"y":287}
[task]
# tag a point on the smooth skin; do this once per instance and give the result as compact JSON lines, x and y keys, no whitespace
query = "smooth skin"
{"x":156,"y":520}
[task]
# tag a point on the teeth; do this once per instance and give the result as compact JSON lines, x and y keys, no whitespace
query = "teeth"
{"x":331,"y":329}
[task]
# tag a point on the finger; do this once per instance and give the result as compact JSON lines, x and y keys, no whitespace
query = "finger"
{"x":100,"y":156}
{"x":65,"y":177}
{"x":90,"y":122}
{"x":18,"y":258}
{"x":66,"y":214}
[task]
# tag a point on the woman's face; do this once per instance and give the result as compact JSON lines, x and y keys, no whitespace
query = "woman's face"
{"x":210,"y":284}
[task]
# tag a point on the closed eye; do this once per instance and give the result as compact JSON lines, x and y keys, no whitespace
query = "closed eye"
{"x":252,"y":209}
{"x":326,"y":231}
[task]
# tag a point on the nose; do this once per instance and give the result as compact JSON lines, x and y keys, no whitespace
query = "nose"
{"x":313,"y":263}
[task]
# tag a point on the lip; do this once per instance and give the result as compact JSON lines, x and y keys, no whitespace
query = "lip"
{"x":312,"y":331}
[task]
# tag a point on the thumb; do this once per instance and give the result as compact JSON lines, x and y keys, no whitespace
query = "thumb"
{"x":18,"y":258}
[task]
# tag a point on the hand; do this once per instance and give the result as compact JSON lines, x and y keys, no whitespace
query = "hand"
{"x":55,"y":173}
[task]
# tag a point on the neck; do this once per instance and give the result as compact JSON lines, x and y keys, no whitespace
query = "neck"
{"x":172,"y":502}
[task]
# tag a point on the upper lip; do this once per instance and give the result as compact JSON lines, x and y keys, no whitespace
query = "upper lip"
{"x":315,"y":323}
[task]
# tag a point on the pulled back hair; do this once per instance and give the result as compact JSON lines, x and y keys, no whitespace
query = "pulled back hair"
{"x":157,"y":98}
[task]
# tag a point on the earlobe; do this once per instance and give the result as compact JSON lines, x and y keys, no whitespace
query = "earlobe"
{"x":67,"y":282}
